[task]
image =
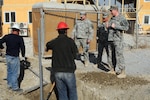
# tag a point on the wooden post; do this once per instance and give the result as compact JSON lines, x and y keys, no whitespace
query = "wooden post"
{"x":137,"y":7}
{"x":123,"y":7}
{"x":109,"y":2}
{"x":97,"y":3}
{"x":65,"y":1}
{"x":84,"y":2}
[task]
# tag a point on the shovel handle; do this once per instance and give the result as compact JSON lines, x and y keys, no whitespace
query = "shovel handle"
{"x":51,"y":90}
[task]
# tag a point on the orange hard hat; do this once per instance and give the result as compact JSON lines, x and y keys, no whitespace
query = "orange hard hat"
{"x":62,"y":25}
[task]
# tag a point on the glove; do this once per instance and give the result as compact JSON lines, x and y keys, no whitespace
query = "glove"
{"x":22,"y":58}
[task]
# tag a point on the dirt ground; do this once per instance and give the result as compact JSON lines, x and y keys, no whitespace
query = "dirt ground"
{"x":92,"y":83}
{"x":112,"y":88}
{"x":105,"y":79}
{"x":134,"y":88}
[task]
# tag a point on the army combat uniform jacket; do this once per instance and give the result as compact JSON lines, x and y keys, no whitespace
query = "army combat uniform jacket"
{"x":83,"y":30}
{"x":121,"y":24}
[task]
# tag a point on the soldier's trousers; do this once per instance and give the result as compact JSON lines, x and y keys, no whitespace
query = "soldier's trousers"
{"x":120,"y":63}
{"x":83,"y":43}
{"x":111,"y":54}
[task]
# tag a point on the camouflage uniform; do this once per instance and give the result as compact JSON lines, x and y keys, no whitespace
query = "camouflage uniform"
{"x":111,"y":48}
{"x":116,"y":35}
{"x":83,"y":31}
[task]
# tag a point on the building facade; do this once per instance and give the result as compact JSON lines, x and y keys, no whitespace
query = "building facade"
{"x":144,"y":16}
{"x":20,"y":12}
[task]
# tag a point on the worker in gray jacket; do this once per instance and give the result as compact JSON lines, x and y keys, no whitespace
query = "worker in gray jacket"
{"x":117,"y":25}
{"x":83,"y":34}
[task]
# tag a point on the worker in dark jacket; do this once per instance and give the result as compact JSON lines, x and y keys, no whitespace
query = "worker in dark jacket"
{"x":14,"y":44}
{"x":64,"y":52}
{"x":102,"y":35}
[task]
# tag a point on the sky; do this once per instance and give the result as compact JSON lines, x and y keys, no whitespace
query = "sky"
{"x":106,"y":2}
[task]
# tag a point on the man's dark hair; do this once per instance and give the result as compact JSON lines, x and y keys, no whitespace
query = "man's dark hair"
{"x":62,"y":31}
{"x":14,"y":29}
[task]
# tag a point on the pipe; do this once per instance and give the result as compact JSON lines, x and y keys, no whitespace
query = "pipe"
{"x":36,"y":74}
{"x":40,"y":55}
{"x":33,"y":88}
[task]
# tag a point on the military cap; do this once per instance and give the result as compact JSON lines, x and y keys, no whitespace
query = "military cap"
{"x":114,"y":7}
{"x":105,"y":14}
{"x":82,"y":13}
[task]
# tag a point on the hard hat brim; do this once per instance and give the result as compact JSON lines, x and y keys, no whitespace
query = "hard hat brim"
{"x":62,"y":28}
{"x":16,"y":29}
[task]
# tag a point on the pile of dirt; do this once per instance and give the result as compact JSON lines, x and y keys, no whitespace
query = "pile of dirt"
{"x":111,"y":80}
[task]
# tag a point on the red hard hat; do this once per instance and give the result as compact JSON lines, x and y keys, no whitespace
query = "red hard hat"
{"x":62,"y":25}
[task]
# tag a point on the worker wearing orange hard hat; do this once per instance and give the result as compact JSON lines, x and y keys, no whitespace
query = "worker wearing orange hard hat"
{"x":62,"y":25}
{"x":64,"y":52}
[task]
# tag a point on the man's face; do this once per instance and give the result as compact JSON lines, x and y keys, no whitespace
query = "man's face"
{"x":82,"y":17}
{"x":105,"y":19}
{"x":15,"y":31}
{"x":113,"y":12}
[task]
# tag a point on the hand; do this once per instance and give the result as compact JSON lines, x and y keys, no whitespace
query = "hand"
{"x":88,"y":41}
{"x":113,"y":25}
{"x":22,"y":58}
{"x":46,"y":50}
{"x":73,"y":38}
{"x":107,"y":25}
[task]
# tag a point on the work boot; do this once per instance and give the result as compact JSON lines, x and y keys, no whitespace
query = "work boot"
{"x":112,"y":71}
{"x":95,"y":65}
{"x":9,"y":87}
{"x":86,"y":63}
{"x":18,"y":91}
{"x":122,"y":74}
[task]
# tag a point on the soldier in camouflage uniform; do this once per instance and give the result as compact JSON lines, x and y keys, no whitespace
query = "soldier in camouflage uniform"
{"x":116,"y":26}
{"x":83,"y":34}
